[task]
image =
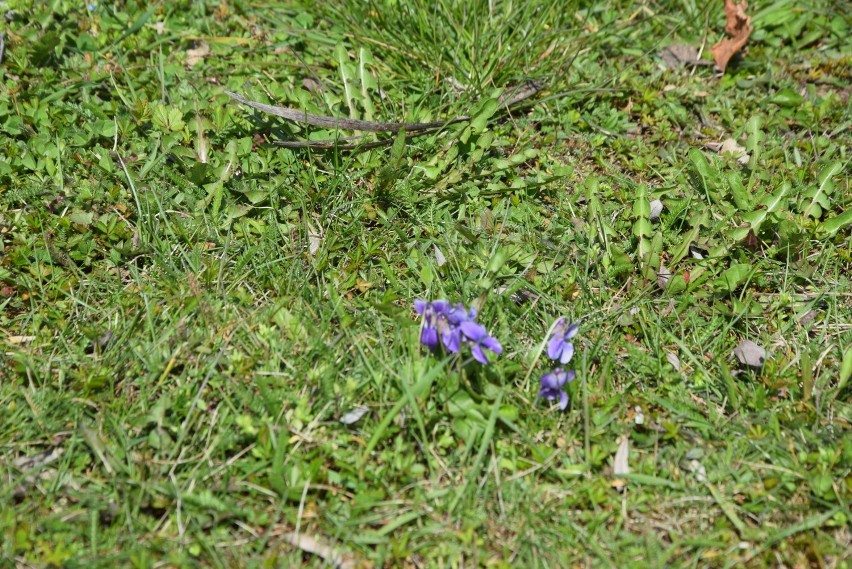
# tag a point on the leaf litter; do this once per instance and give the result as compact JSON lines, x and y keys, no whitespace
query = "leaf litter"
{"x":750,"y":354}
{"x":732,"y":147}
{"x":738,"y":27}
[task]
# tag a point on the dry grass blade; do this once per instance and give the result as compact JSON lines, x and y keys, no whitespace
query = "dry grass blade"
{"x":330,"y":555}
{"x":509,"y":98}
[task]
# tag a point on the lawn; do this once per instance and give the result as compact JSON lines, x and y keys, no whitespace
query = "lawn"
{"x":210,"y":353}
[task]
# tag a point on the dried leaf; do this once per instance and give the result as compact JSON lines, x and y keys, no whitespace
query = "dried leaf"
{"x":698,"y":470}
{"x":197,"y":54}
{"x":678,"y":54}
{"x":353,"y":416}
{"x":38,"y":460}
{"x":663,"y":277}
{"x":672,"y":358}
{"x":312,"y":85}
{"x":656,"y":210}
{"x":314,"y":239}
{"x":331,"y":556}
{"x":738,"y":27}
{"x":729,"y":146}
{"x":620,"y":465}
{"x":439,"y":257}
{"x":750,"y":354}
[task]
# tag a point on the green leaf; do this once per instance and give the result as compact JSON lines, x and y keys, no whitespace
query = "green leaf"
{"x":277,"y":480}
{"x":649,"y":480}
{"x":742,"y":198}
{"x":167,"y":119}
{"x":496,"y":262}
{"x":774,"y":201}
{"x":81,"y":217}
{"x":462,"y":405}
{"x":347,"y":75}
{"x":484,"y":111}
{"x":756,"y":137}
{"x":733,"y":277}
{"x":235,"y":211}
{"x":825,"y":186}
{"x":398,"y":148}
{"x":642,"y":228}
{"x":836,"y":223}
{"x":787,"y":98}
{"x":702,"y":168}
{"x":365,"y":60}
{"x":683,"y":248}
{"x":845,"y":370}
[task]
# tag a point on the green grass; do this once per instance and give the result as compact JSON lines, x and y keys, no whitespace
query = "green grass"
{"x":187,"y":310}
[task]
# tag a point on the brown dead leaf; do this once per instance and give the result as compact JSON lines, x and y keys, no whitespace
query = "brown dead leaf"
{"x":738,"y":26}
{"x":750,"y":354}
{"x":730,"y":146}
{"x":678,"y":54}
{"x":197,"y":54}
{"x":330,"y":555}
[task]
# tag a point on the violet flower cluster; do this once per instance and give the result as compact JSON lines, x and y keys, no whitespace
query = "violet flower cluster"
{"x":559,"y":349}
{"x":452,"y":326}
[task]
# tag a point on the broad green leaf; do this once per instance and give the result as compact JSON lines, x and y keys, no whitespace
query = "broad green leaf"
{"x":167,"y":119}
{"x":683,"y":248}
{"x":365,"y":60}
{"x":774,"y":201}
{"x":484,"y":111}
{"x":641,"y":205}
{"x":787,"y":98}
{"x":81,"y":217}
{"x":642,"y":228}
{"x":733,"y":277}
{"x":235,"y":211}
{"x":845,"y":370}
{"x":496,"y":262}
{"x":277,"y":480}
{"x":756,"y":137}
{"x":398,"y":149}
{"x":347,"y":76}
{"x":742,"y":198}
{"x":702,"y":168}
{"x":838,"y":222}
{"x":825,"y":186}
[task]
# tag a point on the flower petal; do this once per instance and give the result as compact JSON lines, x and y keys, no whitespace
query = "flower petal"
{"x":429,"y":337}
{"x":492,"y":344}
{"x":420,"y":306}
{"x":547,"y":393}
{"x":450,"y":336}
{"x":473,"y":330}
{"x":563,"y":400}
{"x":567,"y":353}
{"x":550,"y":381}
{"x":478,"y":355}
{"x":554,"y":348}
{"x":572,"y":330}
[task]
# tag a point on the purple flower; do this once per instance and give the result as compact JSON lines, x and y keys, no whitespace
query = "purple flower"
{"x":560,"y":348}
{"x":454,"y":325}
{"x":478,"y":338}
{"x":434,"y":319}
{"x":552,"y":385}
